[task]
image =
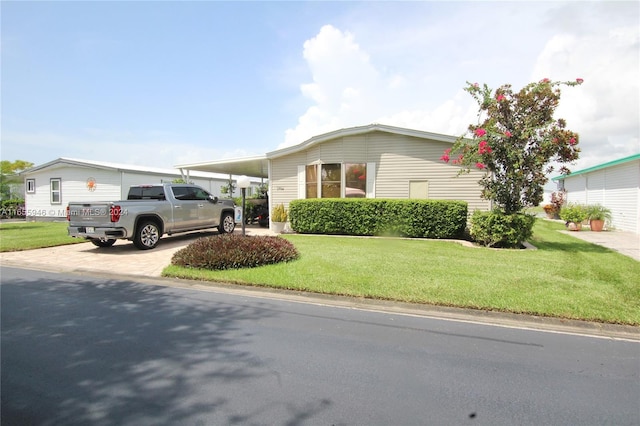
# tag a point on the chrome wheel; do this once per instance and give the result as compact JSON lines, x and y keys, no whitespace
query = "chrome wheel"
{"x":147,"y":236}
{"x":227,"y":225}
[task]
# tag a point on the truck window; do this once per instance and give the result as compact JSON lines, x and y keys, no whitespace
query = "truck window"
{"x":183,"y":193}
{"x":146,"y":193}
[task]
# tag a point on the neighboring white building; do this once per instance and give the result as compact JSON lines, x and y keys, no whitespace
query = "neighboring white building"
{"x":51,"y":186}
{"x":373,"y":161}
{"x":615,"y":185}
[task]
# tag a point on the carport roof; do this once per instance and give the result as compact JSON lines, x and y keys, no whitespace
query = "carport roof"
{"x":250,"y":166}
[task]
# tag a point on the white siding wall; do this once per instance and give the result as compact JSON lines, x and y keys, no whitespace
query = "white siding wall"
{"x":576,"y":189}
{"x":616,"y":187}
{"x":622,"y":195}
{"x":73,"y":188}
{"x":110,"y":185}
{"x":398,"y":159}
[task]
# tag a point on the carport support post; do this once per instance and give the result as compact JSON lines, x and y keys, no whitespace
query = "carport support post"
{"x":243,"y":183}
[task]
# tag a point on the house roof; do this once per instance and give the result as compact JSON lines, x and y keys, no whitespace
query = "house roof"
{"x":64,"y":161}
{"x":352,"y":131}
{"x":599,"y":167}
{"x":259,"y":166}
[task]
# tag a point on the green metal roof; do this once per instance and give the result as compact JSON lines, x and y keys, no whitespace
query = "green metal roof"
{"x":599,"y":167}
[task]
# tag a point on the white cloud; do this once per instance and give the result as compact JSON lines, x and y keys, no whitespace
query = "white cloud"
{"x":348,"y":88}
{"x":604,"y":109}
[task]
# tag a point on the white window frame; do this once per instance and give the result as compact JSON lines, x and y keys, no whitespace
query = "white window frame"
{"x":370,"y":185}
{"x":30,"y":186}
{"x":53,"y":192}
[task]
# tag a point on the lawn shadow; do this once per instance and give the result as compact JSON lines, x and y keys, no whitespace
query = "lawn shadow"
{"x":577,"y":246}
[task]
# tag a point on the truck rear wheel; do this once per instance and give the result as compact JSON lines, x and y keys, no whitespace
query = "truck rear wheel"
{"x":227,"y":224}
{"x":102,"y":243}
{"x":147,"y":235}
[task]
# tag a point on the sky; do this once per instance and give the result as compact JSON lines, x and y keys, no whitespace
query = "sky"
{"x":162,"y":83}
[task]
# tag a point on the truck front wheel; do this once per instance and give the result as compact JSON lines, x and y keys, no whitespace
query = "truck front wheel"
{"x":147,"y":235}
{"x":227,"y":224}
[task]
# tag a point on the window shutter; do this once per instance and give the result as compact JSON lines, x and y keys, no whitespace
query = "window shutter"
{"x":302,"y":187}
{"x":371,"y":180}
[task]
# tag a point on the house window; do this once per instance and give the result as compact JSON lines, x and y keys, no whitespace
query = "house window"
{"x":31,"y":186}
{"x":355,"y":180}
{"x":311,"y":179}
{"x":56,"y":193}
{"x":331,"y":181}
{"x":328,"y":180}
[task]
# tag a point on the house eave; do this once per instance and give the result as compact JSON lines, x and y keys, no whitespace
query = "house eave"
{"x":353,"y":131}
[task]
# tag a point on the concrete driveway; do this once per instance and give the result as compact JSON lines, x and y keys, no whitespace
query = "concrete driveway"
{"x":117,"y":259}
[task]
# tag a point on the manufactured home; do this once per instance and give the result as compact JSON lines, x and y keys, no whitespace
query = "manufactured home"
{"x":374,"y":161}
{"x":615,"y":185}
{"x":51,"y":186}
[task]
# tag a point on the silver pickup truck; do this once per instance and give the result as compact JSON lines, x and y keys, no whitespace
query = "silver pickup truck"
{"x":149,"y":212}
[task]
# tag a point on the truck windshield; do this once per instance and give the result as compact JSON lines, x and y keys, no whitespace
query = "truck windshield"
{"x":146,"y":193}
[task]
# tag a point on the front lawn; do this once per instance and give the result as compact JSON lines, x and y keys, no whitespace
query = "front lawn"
{"x":15,"y":236}
{"x":566,"y":277}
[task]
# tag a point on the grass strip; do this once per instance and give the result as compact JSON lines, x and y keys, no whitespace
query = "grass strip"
{"x":17,"y":236}
{"x":566,"y":277}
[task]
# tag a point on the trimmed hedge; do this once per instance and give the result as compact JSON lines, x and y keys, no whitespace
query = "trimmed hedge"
{"x":232,"y":251}
{"x":496,"y":229}
{"x":373,"y":216}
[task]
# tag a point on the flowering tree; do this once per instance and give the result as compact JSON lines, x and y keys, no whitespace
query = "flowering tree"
{"x":516,"y":141}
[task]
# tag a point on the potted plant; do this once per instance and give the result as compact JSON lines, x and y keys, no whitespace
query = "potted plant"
{"x":597,"y":215}
{"x":279,"y":218}
{"x":551,"y":211}
{"x":573,"y":215}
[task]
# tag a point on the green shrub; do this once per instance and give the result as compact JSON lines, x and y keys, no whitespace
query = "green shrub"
{"x":232,"y":251}
{"x":575,"y":213}
{"x":12,"y":209}
{"x":497,"y":229}
{"x":368,"y":216}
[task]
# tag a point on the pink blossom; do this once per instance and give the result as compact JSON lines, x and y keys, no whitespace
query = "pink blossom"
{"x":545,"y":80}
{"x":480,"y":132}
{"x":500,"y":97}
{"x":579,"y":80}
{"x":508,"y":134}
{"x":445,"y":158}
{"x":480,"y":166}
{"x":475,"y":85}
{"x":572,"y":141}
{"x":484,"y":148}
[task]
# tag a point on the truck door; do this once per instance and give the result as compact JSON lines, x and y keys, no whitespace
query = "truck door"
{"x":186,"y":208}
{"x":208,"y":211}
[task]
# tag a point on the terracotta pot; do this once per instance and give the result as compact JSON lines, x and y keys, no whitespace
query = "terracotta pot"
{"x":596,"y":225}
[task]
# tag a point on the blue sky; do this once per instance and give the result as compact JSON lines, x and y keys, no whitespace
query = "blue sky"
{"x":166,"y":83}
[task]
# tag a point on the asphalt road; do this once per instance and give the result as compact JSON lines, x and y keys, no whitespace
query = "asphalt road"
{"x":106,"y":351}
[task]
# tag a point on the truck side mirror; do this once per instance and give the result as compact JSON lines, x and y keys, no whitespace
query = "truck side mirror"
{"x":213,"y":198}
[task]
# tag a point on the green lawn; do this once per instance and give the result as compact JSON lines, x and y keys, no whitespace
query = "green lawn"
{"x":15,"y":236}
{"x":566,"y":277}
